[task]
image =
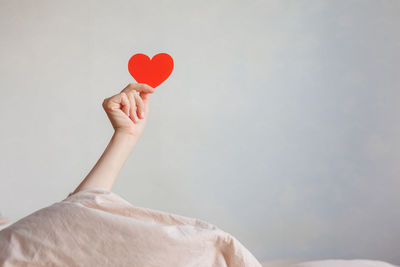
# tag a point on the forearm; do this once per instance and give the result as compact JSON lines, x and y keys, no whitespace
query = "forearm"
{"x":107,"y":168}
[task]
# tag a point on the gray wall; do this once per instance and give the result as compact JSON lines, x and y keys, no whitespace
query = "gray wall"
{"x":280,"y":123}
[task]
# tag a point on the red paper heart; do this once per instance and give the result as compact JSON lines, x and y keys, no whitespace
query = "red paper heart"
{"x":152,"y":72}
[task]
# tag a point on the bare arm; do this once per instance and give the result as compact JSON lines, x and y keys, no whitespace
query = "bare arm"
{"x":107,"y":168}
{"x":123,"y":110}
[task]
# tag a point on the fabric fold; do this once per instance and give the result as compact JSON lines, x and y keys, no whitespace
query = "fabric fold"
{"x":96,"y":227}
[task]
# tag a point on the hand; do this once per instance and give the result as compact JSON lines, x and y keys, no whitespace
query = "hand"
{"x":127,"y":110}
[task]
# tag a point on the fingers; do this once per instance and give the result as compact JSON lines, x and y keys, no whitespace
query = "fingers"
{"x":140,"y":106}
{"x":140,"y":87}
{"x":132,"y":111}
{"x":142,"y":101}
{"x":117,"y":102}
{"x":125,"y":103}
{"x":145,"y":98}
{"x":134,"y":105}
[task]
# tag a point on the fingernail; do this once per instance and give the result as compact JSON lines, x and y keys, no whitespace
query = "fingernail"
{"x":142,"y":114}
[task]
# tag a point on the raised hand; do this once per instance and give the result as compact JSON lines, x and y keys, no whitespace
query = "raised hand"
{"x":128,"y":110}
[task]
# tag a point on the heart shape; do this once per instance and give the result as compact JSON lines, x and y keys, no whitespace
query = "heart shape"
{"x":151,"y":71}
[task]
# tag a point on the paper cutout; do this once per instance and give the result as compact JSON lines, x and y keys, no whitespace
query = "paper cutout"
{"x":151,"y":71}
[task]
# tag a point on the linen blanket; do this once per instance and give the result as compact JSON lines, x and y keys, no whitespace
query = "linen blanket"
{"x":96,"y":227}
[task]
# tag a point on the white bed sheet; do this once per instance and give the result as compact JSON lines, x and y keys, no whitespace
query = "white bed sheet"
{"x":325,"y":263}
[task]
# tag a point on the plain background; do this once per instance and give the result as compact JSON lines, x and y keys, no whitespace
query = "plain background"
{"x":279,"y":124}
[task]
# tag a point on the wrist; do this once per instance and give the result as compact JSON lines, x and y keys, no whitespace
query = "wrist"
{"x":125,"y":137}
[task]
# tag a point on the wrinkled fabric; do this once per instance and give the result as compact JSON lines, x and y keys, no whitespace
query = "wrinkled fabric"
{"x":325,"y":263}
{"x":96,"y":227}
{"x":344,"y":263}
